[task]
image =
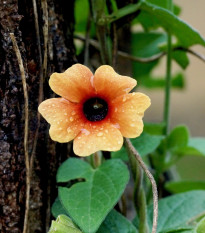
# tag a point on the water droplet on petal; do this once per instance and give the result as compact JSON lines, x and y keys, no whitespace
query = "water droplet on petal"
{"x":94,"y":126}
{"x":100,"y":134}
{"x":115,"y":109}
{"x":116,"y":126}
{"x":124,"y":98}
{"x":79,"y":137}
{"x":132,"y":125}
{"x":106,"y":131}
{"x":71,"y":119}
{"x":119,"y":142}
{"x":73,"y":113}
{"x":69,"y":130}
{"x":85,"y":131}
{"x":65,"y":114}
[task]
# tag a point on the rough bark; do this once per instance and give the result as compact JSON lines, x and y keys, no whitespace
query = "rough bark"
{"x":17,"y":16}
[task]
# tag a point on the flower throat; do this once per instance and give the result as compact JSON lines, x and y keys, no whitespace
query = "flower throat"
{"x":95,"y":109}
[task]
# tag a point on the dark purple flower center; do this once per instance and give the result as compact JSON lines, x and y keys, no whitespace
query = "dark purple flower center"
{"x":95,"y":109}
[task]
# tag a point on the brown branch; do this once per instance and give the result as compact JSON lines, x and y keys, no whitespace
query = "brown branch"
{"x":23,"y":77}
{"x":95,"y":44}
{"x":151,"y":178}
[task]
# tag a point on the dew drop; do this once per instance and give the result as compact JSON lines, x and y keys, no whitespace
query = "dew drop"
{"x":94,"y":126}
{"x":116,"y":126}
{"x":119,"y":142}
{"x":124,"y":98}
{"x":115,"y":109}
{"x":73,"y":113}
{"x":85,"y":131}
{"x":100,"y":134}
{"x":106,"y":131}
{"x":69,"y":130}
{"x":53,"y":105}
{"x":71,"y":119}
{"x":65,"y":114}
{"x":79,"y":137}
{"x":132,"y":125}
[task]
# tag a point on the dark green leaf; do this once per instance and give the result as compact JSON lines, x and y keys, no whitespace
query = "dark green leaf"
{"x":145,"y":45}
{"x":89,"y":202}
{"x":57,"y":208}
{"x":158,"y":82}
{"x":178,"y":210}
{"x":154,"y":128}
{"x":174,"y":25}
{"x":184,"y":186}
{"x":181,"y":58}
{"x":116,"y":223}
{"x":144,"y":144}
{"x":178,"y":137}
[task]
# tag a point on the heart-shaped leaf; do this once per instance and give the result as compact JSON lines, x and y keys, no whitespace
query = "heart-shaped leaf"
{"x":89,"y":202}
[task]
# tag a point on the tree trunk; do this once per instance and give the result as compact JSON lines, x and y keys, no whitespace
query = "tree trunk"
{"x":56,"y":54}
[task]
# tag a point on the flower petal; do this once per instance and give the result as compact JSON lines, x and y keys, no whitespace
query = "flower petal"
{"x":128,"y":111}
{"x":97,"y":136}
{"x":74,"y":84}
{"x":110,"y":84}
{"x":64,"y":118}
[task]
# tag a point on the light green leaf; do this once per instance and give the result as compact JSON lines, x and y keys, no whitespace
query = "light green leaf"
{"x":89,"y":202}
{"x":200,"y":228}
{"x":116,"y":223}
{"x":184,"y":186}
{"x":63,"y":224}
{"x":144,"y":144}
{"x":174,"y":25}
{"x":195,"y":146}
{"x":178,"y":210}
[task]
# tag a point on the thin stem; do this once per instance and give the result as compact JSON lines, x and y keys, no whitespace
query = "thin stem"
{"x":151,"y":178}
{"x":168,"y":85}
{"x":23,"y":77}
{"x":95,"y":44}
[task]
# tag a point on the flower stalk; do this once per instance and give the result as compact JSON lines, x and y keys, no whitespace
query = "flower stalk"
{"x":133,"y":151}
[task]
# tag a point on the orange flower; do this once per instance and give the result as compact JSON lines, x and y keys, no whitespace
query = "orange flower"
{"x":95,"y":110}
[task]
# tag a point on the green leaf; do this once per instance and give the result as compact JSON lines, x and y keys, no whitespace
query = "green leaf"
{"x":178,"y":137}
{"x":89,"y":202}
{"x":200,"y":228}
{"x":181,"y":58}
{"x":147,"y":20}
{"x":116,"y":223}
{"x":178,"y":210}
{"x":144,"y":144}
{"x":184,"y":186}
{"x":154,"y":128}
{"x":63,"y":224}
{"x":145,"y":45}
{"x":159,"y":82}
{"x":57,"y":208}
{"x":174,"y":25}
